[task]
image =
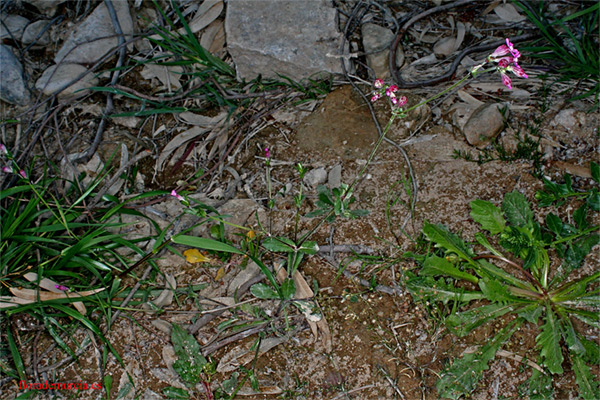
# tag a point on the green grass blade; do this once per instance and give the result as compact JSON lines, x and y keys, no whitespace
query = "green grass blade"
{"x":16,"y":356}
{"x":204,"y":243}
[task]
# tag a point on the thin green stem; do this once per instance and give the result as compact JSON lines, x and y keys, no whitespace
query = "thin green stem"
{"x":395,"y":113}
{"x":572,"y":237}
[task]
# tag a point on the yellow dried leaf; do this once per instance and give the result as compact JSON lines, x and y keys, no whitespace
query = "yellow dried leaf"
{"x":194,"y":256}
{"x":220,"y":274}
{"x":250,"y":235}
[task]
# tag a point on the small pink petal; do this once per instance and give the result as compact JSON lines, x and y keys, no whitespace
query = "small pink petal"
{"x":518,"y":71}
{"x":3,"y":149}
{"x":506,"y":80}
{"x":500,"y":51}
{"x":503,"y":62}
{"x":267,"y":152}
{"x":378,"y":84}
{"x":401,"y":101}
{"x":176,"y":195}
{"x":23,"y":173}
{"x":61,"y":287}
{"x":394,"y":100}
{"x":375,"y":97}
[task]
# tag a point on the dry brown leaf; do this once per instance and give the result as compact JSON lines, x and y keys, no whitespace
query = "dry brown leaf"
{"x":213,"y":38}
{"x":449,"y":45}
{"x":467,"y":98}
{"x":262,"y":390}
{"x":167,"y":75}
{"x":220,"y":143}
{"x":207,"y":13}
{"x":509,"y":13}
{"x":204,"y":121}
{"x":177,"y":142}
{"x":32,"y":295}
{"x":244,"y":354}
{"x":53,"y":287}
{"x":303,"y":291}
{"x":10,"y":301}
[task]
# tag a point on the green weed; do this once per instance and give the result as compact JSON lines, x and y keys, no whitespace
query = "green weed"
{"x":529,"y":291}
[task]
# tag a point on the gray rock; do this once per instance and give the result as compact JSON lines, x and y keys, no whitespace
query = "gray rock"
{"x":84,"y":46}
{"x":46,"y":7}
{"x":33,"y":30}
{"x":376,"y":43}
{"x":567,"y":119}
{"x":251,"y":271}
{"x":12,"y":26}
{"x":291,"y":37}
{"x":237,"y":211}
{"x":13,"y":88}
{"x":334,"y":180}
{"x":315,"y":177}
{"x":484,"y":124}
{"x":56,"y":77}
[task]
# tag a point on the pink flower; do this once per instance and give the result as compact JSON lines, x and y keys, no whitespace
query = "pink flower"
{"x":267,"y":152}
{"x":402,"y":101}
{"x":506,"y":80}
{"x":23,"y":173}
{"x":515,"y":53}
{"x":61,"y":287}
{"x":518,"y":71}
{"x":375,"y":97}
{"x":499,"y":52}
{"x":394,"y":100}
{"x":176,"y":195}
{"x":378,"y":84}
{"x":3,"y":149}
{"x":7,"y":170}
{"x":391,"y":90}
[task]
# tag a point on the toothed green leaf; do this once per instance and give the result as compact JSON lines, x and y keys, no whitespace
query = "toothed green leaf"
{"x":461,"y":324}
{"x":588,"y":387}
{"x":424,"y":288}
{"x":540,"y":386}
{"x":549,"y":343}
{"x":516,"y":209}
{"x":488,"y":215}
{"x":190,"y":361}
{"x":448,"y":240}
{"x":436,"y":266}
{"x":462,"y":376}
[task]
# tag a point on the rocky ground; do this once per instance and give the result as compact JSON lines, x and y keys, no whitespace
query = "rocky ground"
{"x":371,"y":344}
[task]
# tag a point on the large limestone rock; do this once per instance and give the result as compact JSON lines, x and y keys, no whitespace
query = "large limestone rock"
{"x":84,"y":45}
{"x":13,"y":88}
{"x":296,"y":38}
{"x":59,"y":78}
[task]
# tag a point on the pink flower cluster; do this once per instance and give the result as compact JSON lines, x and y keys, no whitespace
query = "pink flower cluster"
{"x":8,"y":169}
{"x":507,"y":58}
{"x":382,"y":89}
